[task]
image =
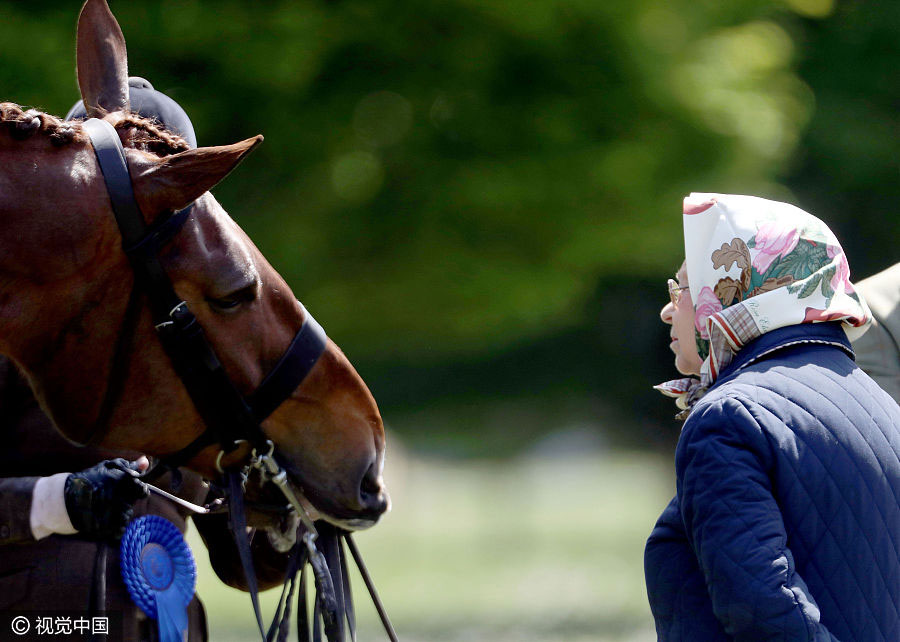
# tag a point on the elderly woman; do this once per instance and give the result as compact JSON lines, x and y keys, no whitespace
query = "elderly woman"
{"x":786,"y":520}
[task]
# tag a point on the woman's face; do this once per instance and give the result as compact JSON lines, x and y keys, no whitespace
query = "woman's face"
{"x":681,"y":317}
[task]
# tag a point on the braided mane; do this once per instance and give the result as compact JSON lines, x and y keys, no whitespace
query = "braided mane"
{"x":136,"y":131}
{"x":148,"y":135}
{"x":20,"y":124}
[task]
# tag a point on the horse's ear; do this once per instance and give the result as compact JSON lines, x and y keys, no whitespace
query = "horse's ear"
{"x":173,"y":182}
{"x":102,"y":60}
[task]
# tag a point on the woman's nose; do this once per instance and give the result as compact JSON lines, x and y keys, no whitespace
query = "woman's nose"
{"x":666,"y":313}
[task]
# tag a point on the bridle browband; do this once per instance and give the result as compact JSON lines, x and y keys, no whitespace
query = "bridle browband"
{"x":229,"y":416}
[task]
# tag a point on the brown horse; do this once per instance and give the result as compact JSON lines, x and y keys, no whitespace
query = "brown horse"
{"x":65,"y":284}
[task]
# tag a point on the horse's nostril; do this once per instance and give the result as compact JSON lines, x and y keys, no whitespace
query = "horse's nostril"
{"x":370,"y":483}
{"x":371,"y":492}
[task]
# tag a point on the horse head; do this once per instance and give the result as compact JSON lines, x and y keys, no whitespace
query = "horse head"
{"x":67,"y":291}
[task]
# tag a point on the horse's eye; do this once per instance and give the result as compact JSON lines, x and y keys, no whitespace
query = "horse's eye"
{"x":233,"y":301}
{"x":223,"y":305}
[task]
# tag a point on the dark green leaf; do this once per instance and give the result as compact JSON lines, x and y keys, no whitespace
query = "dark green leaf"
{"x":827,"y":275}
{"x":801,"y":262}
{"x":806,"y":287}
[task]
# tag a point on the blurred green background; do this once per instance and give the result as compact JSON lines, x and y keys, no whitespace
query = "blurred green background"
{"x":480,"y":201}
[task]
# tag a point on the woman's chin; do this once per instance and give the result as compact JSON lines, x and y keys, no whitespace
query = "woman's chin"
{"x":684,"y":368}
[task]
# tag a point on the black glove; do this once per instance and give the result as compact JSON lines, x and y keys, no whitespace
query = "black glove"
{"x":99,"y":500}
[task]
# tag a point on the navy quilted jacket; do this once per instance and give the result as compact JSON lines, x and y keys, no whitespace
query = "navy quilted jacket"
{"x":786,"y":521}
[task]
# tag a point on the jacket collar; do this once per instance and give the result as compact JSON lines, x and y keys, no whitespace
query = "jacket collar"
{"x":762,"y":347}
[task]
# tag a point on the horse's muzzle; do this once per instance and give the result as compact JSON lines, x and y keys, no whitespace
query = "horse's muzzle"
{"x":352,"y":513}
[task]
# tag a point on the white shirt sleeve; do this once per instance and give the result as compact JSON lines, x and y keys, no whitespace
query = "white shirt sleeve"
{"x":48,"y":507}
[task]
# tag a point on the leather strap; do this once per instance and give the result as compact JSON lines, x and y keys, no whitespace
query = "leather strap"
{"x":111,"y":157}
{"x":330,"y":545}
{"x":303,"y":620}
{"x":349,"y":611}
{"x":330,"y":605}
{"x":305,"y":349}
{"x":282,"y":621}
{"x":238,"y":524}
{"x":141,"y":247}
{"x":228,"y":415}
{"x":370,"y":585}
{"x":97,"y":600}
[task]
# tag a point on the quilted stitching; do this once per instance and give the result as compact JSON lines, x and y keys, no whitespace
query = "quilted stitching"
{"x":826,"y":450}
{"x":744,"y":599}
{"x":846,"y":568}
{"x":853,"y":569}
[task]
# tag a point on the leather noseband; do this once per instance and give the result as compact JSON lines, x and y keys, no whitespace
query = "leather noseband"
{"x":229,"y":416}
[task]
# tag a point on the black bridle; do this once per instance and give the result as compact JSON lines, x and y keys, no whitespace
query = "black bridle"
{"x":230,"y":417}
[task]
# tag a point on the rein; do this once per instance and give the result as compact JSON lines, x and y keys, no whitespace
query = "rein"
{"x":229,"y":417}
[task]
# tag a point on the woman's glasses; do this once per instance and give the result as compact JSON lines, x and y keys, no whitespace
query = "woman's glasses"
{"x":675,"y":291}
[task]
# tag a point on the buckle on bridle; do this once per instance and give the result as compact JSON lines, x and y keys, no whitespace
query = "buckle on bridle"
{"x":222,"y":453}
{"x":329,"y":607}
{"x":269,"y":470}
{"x":174,"y":315}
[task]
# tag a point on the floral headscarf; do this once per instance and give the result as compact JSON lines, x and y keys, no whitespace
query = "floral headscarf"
{"x":753,"y":266}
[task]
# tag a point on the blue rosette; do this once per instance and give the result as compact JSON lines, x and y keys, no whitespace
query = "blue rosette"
{"x":159,"y":572}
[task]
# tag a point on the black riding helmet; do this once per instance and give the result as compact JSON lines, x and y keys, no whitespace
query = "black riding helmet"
{"x":149,"y":103}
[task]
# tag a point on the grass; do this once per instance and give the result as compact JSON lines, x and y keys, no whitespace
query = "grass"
{"x":539,"y":548}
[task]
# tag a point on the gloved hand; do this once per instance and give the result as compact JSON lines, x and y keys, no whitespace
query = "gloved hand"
{"x":99,"y":500}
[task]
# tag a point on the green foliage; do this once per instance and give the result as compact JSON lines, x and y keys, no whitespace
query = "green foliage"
{"x":845,"y":169}
{"x":457,"y":174}
{"x":455,"y":180}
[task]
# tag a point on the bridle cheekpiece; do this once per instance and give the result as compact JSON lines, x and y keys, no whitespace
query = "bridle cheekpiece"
{"x":230,"y":418}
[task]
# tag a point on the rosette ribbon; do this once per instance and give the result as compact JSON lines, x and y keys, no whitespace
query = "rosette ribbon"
{"x":159,"y":571}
